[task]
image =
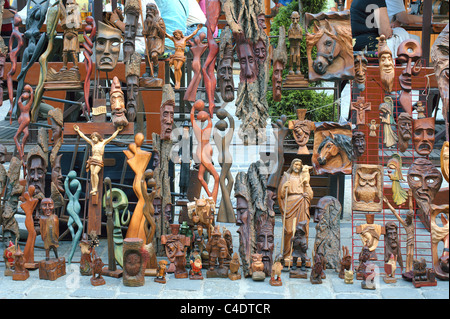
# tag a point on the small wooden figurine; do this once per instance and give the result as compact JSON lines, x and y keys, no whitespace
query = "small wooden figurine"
{"x":8,"y":257}
{"x":345,"y":263}
{"x":20,"y":273}
{"x":317,"y":271}
{"x":217,"y":251}
{"x":369,"y":277}
{"x":196,"y":268}
{"x":404,"y":130}
{"x":348,"y":277}
{"x":363,"y":259}
{"x":257,"y":268}
{"x":389,"y":268}
{"x":373,"y":126}
{"x":423,"y":276}
{"x":86,"y":260}
{"x":299,"y":248}
{"x":161,"y":273}
{"x":277,"y":267}
{"x":234,"y":268}
{"x":96,"y":262}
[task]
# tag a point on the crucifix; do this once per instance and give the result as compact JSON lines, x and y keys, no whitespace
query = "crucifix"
{"x":360,"y":106}
{"x":370,"y":234}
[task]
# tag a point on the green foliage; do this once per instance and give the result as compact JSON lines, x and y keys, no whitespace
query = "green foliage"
{"x":294,"y":99}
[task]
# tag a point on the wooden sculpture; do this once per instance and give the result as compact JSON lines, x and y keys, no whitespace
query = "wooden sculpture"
{"x":132,"y":73}
{"x":96,"y":263}
{"x":348,"y":277}
{"x":28,"y":205}
{"x":134,"y":261}
{"x":20,"y":271}
{"x":367,"y":188}
{"x":3,"y":53}
{"x":234,"y":268}
{"x":37,"y":162}
{"x":345,"y":263}
{"x":117,"y":100}
{"x":225,"y":65}
{"x":295,"y":78}
{"x":373,"y":127}
{"x":439,"y":58}
{"x":177,"y":59}
{"x":14,"y":189}
{"x":445,"y":160}
{"x":138,"y":160}
{"x":423,"y":276}
{"x":409,"y":52}
{"x":363,"y":260}
{"x":359,"y":144}
{"x":392,"y":247}
{"x":277,"y":267}
{"x":298,"y":248}
{"x":317,"y":271}
{"x":328,"y":236}
{"x":50,"y":268}
{"x":90,"y":31}
{"x":421,"y":111}
{"x":201,"y":212}
{"x":404,"y":130}
{"x":196,"y":268}
{"x":387,"y":67}
{"x":8,"y":257}
{"x":154,"y":32}
{"x":265,"y":240}
{"x":161,"y":273}
{"x":408,"y":224}
{"x":361,"y":107}
{"x":226,"y":180}
{"x":369,"y":276}
{"x":95,"y":161}
{"x":167,"y":112}
{"x":217,"y":251}
{"x":423,"y":136}
{"x":257,"y":268}
{"x":294,"y":198}
{"x":370,"y":234}
{"x":57,"y":188}
{"x":386,"y":108}
{"x":204,"y":149}
{"x":438,"y":234}
{"x":175,"y":247}
{"x":132,"y":11}
{"x":213,"y":10}
{"x":107,"y":47}
{"x":332,"y":37}
{"x":36,"y":14}
{"x":280,"y":58}
{"x":301,"y":129}
{"x":197,"y":48}
{"x":73,"y":191}
{"x":24,"y":119}
{"x":360,"y":62}
{"x":15,"y":38}
{"x":424,"y":180}
{"x":65,"y":78}
{"x":86,"y":260}
{"x":184,"y":153}
{"x":389,"y":267}
{"x":394,"y":171}
{"x":333,"y":148}
{"x":150,"y":225}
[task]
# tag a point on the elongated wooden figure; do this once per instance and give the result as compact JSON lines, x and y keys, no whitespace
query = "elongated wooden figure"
{"x":88,"y":46}
{"x":16,"y":37}
{"x":73,"y":190}
{"x":29,"y":205}
{"x":197,"y":49}
{"x":24,"y":119}
{"x":138,"y":160}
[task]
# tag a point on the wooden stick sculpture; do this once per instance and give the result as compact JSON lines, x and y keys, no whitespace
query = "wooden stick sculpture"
{"x":204,"y":149}
{"x":16,"y":37}
{"x":73,"y":190}
{"x":29,"y":205}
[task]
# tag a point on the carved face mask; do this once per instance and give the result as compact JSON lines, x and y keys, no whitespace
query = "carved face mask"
{"x":424,"y":135}
{"x":247,"y":61}
{"x":107,"y":47}
{"x":132,"y":91}
{"x":387,"y":71}
{"x":404,"y":127}
{"x":444,"y":160}
{"x":166,"y":120}
{"x":360,"y":70}
{"x":265,"y":242}
{"x":36,"y":174}
{"x":260,"y":50}
{"x":409,"y":52}
{"x":425,"y":180}
{"x":47,"y":206}
{"x":277,"y":78}
{"x":225,"y":76}
{"x":359,"y":143}
{"x":131,"y":26}
{"x":242,"y":211}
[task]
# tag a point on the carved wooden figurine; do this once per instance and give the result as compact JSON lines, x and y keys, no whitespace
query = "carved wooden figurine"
{"x":175,"y":246}
{"x":439,"y":58}
{"x":28,"y":205}
{"x":348,"y":277}
{"x":367,"y":188}
{"x":280,"y":58}
{"x":132,"y":11}
{"x":404,"y":130}
{"x":363,"y":259}
{"x":332,"y":37}
{"x":225,"y":66}
{"x":257,"y":268}
{"x":345,"y":263}
{"x":86,"y":260}
{"x":333,"y":149}
{"x":387,"y":67}
{"x":277,"y":267}
{"x":299,"y":248}
{"x":73,"y":191}
{"x":424,"y":135}
{"x":360,"y":62}
{"x":20,"y":273}
{"x":424,"y":180}
{"x":226,"y":180}
{"x":370,"y":234}
{"x":167,"y":112}
{"x":301,"y":129}
{"x":317,"y":271}
{"x":204,"y":149}
{"x":394,"y":171}
{"x":423,"y":276}
{"x":409,"y":52}
{"x":8,"y":257}
{"x":154,"y":32}
{"x":177,"y":59}
{"x":294,"y":198}
{"x":134,"y":261}
{"x":392,"y":251}
{"x":96,"y":262}
{"x":197,"y":49}
{"x":234,"y":268}
{"x":438,"y":234}
{"x":95,"y":162}
{"x":117,"y":100}
{"x":132,"y":73}
{"x":161,"y":273}
{"x":138,"y":160}
{"x":386,"y":108}
{"x":359,"y":143}
{"x":373,"y":126}
{"x":389,"y":268}
{"x":24,"y":119}
{"x":361,"y":107}
{"x":201,"y":212}
{"x":218,"y":251}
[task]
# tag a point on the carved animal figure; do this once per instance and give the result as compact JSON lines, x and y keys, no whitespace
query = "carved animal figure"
{"x":366,"y":189}
{"x":335,"y":147}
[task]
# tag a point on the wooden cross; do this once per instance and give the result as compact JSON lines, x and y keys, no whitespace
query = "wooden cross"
{"x":360,"y":106}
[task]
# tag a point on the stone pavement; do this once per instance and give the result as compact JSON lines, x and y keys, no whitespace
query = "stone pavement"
{"x":74,"y":286}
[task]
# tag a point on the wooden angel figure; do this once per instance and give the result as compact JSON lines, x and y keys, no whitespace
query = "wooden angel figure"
{"x":373,"y":127}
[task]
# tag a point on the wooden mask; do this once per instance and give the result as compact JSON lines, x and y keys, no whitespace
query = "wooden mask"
{"x":247,"y":60}
{"x":107,"y":47}
{"x":359,"y":143}
{"x":444,"y":160}
{"x":424,"y":135}
{"x":279,"y":61}
{"x":225,"y":66}
{"x":386,"y":63}
{"x":404,"y":130}
{"x":118,"y":111}
{"x":360,"y":62}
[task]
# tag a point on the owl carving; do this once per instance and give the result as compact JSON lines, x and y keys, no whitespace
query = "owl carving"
{"x":367,"y":187}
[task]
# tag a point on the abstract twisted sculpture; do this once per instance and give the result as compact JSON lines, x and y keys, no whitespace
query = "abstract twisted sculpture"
{"x":16,"y":38}
{"x":177,"y":59}
{"x":424,"y":135}
{"x":439,"y":58}
{"x":73,"y":191}
{"x":204,"y":149}
{"x":333,"y":149}
{"x":386,"y":108}
{"x":294,"y":198}
{"x":368,"y":188}
{"x":409,"y":52}
{"x":332,"y":37}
